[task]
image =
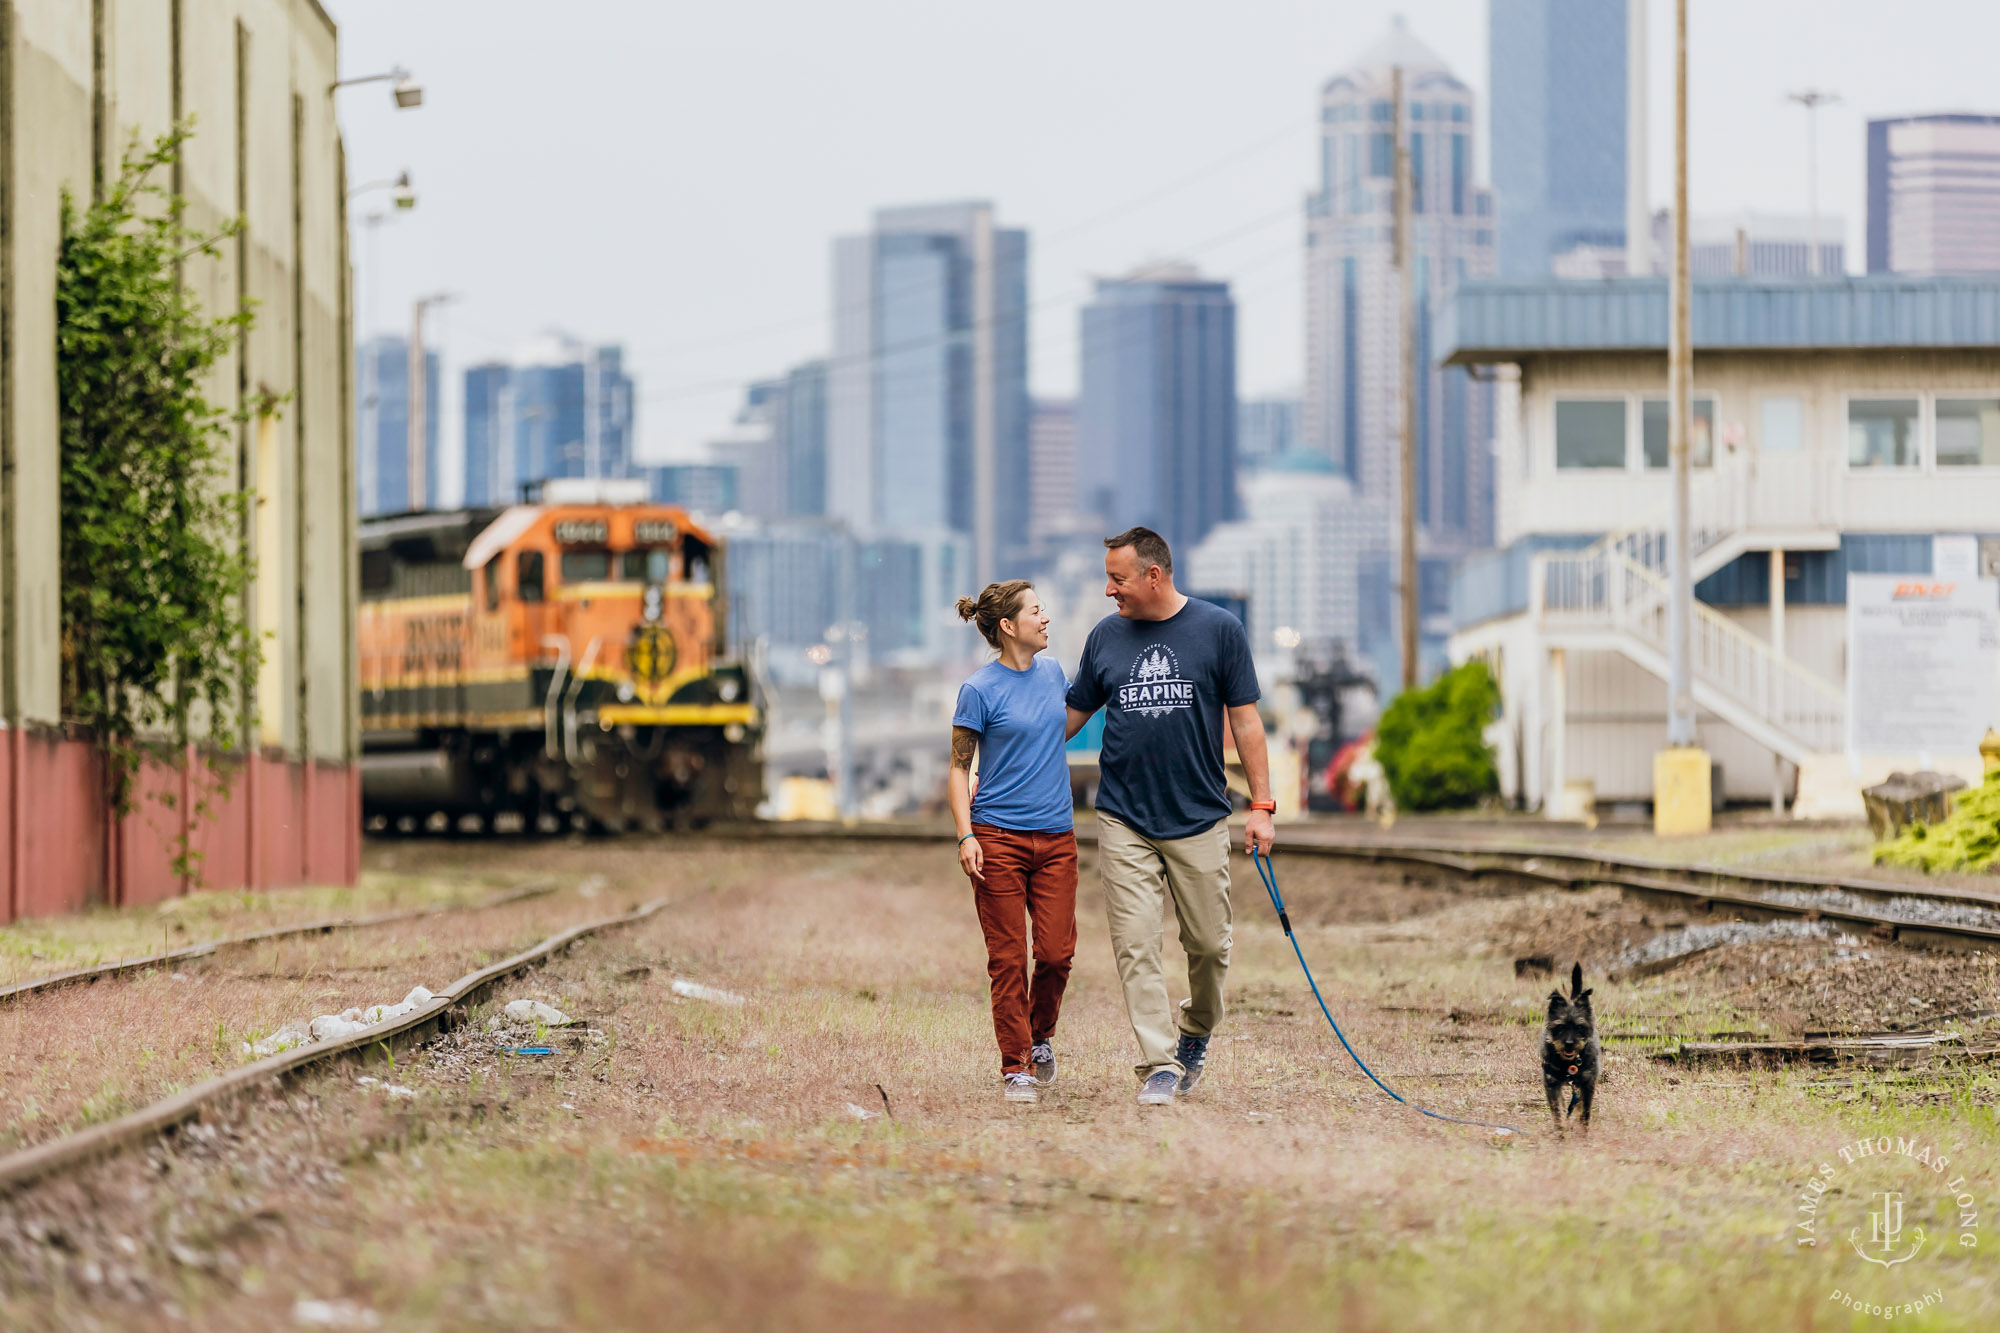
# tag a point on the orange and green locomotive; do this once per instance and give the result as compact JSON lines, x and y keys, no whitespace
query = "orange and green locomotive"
{"x":555,"y":665}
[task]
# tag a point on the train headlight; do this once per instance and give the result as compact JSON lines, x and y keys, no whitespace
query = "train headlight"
{"x":728,"y":688}
{"x":734,"y":733}
{"x":625,"y":695}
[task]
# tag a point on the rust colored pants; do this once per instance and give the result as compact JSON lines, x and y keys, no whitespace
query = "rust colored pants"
{"x":1028,"y":875}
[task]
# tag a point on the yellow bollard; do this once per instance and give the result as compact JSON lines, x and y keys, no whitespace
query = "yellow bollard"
{"x":1681,"y":797}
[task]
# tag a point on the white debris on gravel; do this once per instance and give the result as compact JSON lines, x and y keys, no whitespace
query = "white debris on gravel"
{"x":1693,"y":939}
{"x":534,"y":1011}
{"x":862,"y":1112}
{"x":332,"y":1027}
{"x":694,"y":990}
{"x":334,"y":1314}
{"x":1918,"y":911}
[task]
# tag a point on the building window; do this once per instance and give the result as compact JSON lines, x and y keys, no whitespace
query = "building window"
{"x":491,"y":577}
{"x":1653,"y":432}
{"x":528,"y":576}
{"x":1882,"y":432}
{"x":1379,"y":111}
{"x":1968,"y":432}
{"x":1781,"y":426}
{"x":1590,"y":433}
{"x":1381,"y":155}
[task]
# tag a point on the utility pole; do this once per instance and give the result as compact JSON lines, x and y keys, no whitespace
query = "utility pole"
{"x":1680,"y":356}
{"x":419,"y":406}
{"x":1406,"y":344}
{"x":1638,"y":222}
{"x":1812,"y":99}
{"x":1681,"y":775}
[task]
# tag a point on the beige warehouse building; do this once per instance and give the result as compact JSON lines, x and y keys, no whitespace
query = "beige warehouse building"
{"x":78,"y":79}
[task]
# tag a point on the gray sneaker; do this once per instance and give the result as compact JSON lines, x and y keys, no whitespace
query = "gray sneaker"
{"x":1158,"y":1089}
{"x":1021,"y":1088}
{"x":1193,"y":1054}
{"x":1043,"y":1058}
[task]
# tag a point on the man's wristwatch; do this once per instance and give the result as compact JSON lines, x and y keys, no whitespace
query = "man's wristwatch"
{"x":1268,"y":807}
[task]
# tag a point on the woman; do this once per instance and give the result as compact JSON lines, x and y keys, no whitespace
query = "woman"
{"x":1016,"y":838}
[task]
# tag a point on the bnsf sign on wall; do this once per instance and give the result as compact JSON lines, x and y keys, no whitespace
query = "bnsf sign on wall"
{"x":581,"y":530}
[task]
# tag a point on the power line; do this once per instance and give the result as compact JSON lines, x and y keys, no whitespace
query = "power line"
{"x":1043,"y":241}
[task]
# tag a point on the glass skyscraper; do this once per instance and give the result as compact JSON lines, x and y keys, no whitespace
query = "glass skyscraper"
{"x":559,"y":408}
{"x":1934,"y":194}
{"x":489,"y":412}
{"x":1156,"y":418}
{"x":1354,"y":320}
{"x":382,"y":427}
{"x":1558,"y":85}
{"x":927,"y":426}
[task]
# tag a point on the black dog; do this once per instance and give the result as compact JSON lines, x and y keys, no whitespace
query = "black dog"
{"x":1570,"y":1052}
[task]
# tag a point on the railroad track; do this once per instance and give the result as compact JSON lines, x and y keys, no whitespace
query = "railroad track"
{"x":1927,"y":916}
{"x":29,"y":1165}
{"x":84,"y":976}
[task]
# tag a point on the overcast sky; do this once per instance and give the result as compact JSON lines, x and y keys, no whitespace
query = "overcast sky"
{"x":669,"y":176}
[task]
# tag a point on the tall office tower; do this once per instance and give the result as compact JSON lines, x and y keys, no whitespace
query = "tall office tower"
{"x":489,"y":428}
{"x":801,"y":433}
{"x":1934,"y":194}
{"x":1265,"y":429}
{"x":1156,"y":417}
{"x":382,"y":426}
{"x":1296,"y":553}
{"x":928,"y":386}
{"x":1353,"y":410}
{"x":1557,"y":69}
{"x":751,"y":446}
{"x":1054,"y":510}
{"x":572,"y":410}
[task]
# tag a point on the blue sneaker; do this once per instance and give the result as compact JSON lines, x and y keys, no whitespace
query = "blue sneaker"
{"x":1193,"y":1054}
{"x":1158,"y":1089}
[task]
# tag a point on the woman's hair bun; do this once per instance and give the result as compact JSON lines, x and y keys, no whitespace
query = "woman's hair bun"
{"x":967,"y":608}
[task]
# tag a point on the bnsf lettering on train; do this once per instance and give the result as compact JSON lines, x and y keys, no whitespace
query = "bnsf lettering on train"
{"x":433,"y":641}
{"x":576,"y":530}
{"x":653,"y":530}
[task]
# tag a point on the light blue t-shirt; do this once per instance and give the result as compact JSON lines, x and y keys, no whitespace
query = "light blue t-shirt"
{"x":1023,"y":774}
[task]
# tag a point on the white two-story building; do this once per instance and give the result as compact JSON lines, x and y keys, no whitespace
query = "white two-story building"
{"x":1842,"y":425}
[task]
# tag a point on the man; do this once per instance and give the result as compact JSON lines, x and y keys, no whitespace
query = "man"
{"x":1167,"y":668}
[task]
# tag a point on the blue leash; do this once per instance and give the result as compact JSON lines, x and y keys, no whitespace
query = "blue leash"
{"x":1270,"y":878}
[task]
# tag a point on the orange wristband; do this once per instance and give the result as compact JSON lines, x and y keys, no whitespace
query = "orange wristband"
{"x":1270,"y":807}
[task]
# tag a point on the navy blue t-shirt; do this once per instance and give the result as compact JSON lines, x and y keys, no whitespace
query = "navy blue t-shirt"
{"x":1164,"y":685}
{"x":1023,"y":773}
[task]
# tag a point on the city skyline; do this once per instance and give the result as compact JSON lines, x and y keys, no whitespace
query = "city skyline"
{"x":737,"y":293}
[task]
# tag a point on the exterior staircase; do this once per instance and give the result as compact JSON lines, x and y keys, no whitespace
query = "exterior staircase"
{"x":1613,"y":596}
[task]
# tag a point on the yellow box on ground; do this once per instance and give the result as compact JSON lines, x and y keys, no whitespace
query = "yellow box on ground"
{"x":1681,"y":798}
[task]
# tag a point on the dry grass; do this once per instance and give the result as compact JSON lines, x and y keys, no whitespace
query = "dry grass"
{"x":702,"y":1169}
{"x":46,"y":945}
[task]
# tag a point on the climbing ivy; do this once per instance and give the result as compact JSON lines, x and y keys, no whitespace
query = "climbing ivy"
{"x":155,"y":640}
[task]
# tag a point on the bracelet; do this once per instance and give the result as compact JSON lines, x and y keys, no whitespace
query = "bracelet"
{"x":961,"y":841}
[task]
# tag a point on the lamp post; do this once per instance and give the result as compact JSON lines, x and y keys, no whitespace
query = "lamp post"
{"x":1812,"y":99}
{"x":408,"y":92}
{"x":405,"y":196}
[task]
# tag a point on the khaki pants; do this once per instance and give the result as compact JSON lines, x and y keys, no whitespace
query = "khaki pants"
{"x":1138,"y":873}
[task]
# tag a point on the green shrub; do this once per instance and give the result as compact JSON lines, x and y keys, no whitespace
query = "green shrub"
{"x":1431,"y":745}
{"x":1968,"y":840}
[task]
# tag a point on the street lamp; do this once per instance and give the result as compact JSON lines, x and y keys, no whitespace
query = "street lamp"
{"x":408,"y":92}
{"x":1812,"y":99}
{"x":405,"y":195}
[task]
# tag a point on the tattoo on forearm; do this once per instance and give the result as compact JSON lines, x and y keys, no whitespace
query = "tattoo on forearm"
{"x":964,"y":742}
